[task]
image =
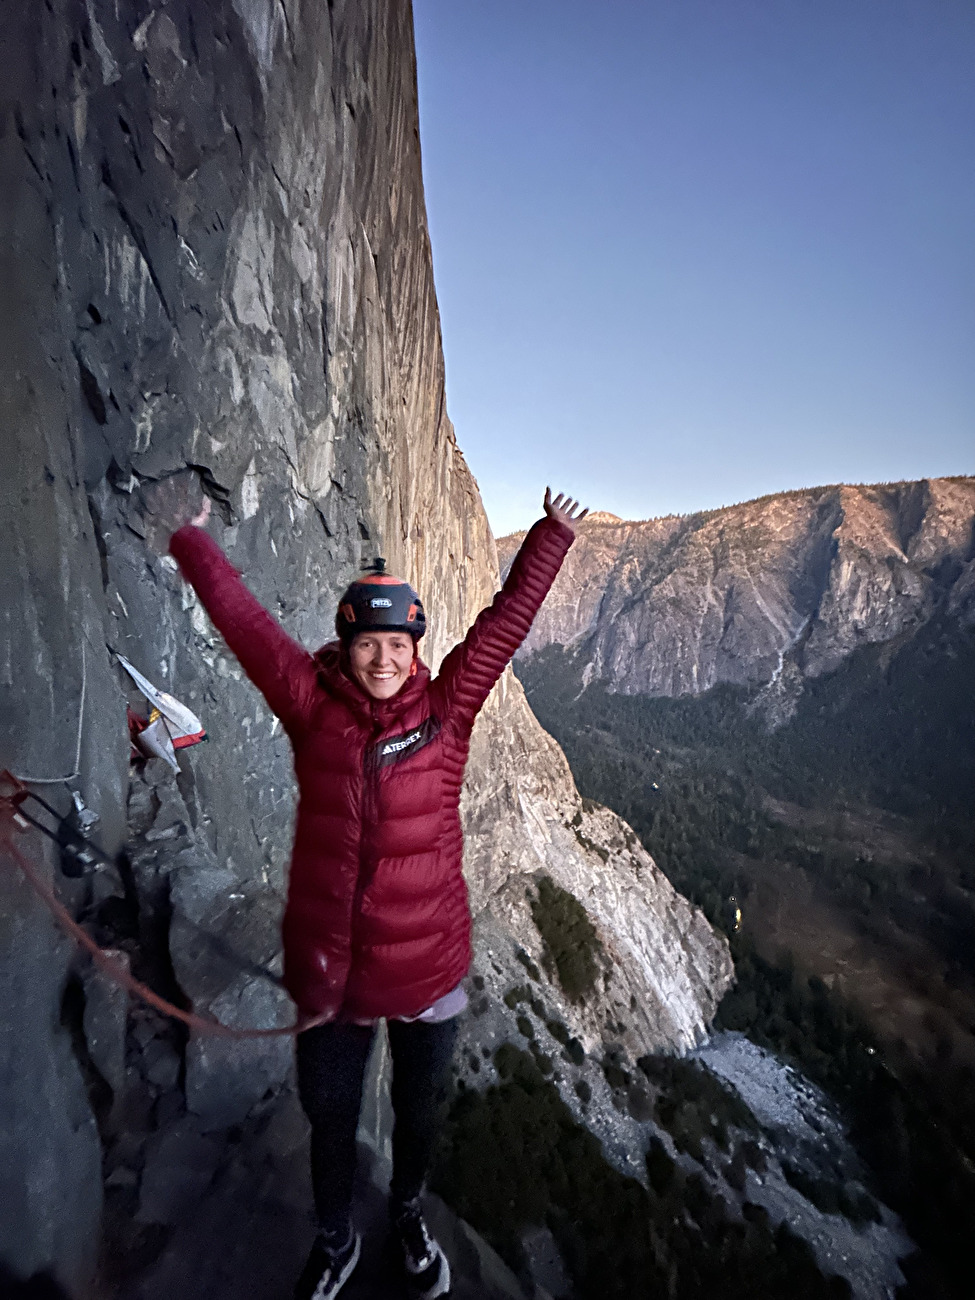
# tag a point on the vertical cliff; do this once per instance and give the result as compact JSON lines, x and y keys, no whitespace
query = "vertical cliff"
{"x":216,"y":256}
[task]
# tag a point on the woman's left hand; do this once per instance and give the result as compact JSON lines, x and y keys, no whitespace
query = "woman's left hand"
{"x":564,"y":510}
{"x":170,"y":503}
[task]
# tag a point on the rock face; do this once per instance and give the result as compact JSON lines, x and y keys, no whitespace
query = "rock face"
{"x":216,"y":256}
{"x":674,"y":606}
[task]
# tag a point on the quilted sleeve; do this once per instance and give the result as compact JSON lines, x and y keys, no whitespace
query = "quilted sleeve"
{"x":472,"y":667}
{"x":282,"y":670}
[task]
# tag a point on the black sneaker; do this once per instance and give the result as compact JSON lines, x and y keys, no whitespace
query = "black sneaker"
{"x":427,"y":1270}
{"x":328,"y":1270}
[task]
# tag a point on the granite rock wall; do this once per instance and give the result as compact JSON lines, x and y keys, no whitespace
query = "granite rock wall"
{"x":216,"y":256}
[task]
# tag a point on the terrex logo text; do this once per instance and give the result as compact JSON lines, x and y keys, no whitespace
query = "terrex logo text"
{"x":394,"y":746}
{"x":400,"y":749}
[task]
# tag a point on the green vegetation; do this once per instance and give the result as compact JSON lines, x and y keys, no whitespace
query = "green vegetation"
{"x":571,"y":947}
{"x":513,"y":1157}
{"x":574,"y":1051}
{"x":613,"y":1070}
{"x":544,"y":1063}
{"x":517,"y":994}
{"x":693,"y":1104}
{"x":558,"y":1031}
{"x":788,"y":1012}
{"x":895,"y":731}
{"x":915,"y":1127}
{"x":533,"y":971}
{"x":892,"y":730}
{"x":833,"y":1196}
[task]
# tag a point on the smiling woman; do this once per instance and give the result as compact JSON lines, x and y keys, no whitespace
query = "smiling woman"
{"x":377,"y":923}
{"x":379,"y":622}
{"x":382,"y":661}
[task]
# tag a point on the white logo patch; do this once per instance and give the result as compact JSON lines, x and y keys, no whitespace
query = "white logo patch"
{"x":394,"y":746}
{"x":380,"y":602}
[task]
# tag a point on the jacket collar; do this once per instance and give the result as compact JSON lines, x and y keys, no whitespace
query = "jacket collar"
{"x":332,"y":674}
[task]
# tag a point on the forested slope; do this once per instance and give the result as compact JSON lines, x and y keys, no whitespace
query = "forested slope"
{"x":833,"y":841}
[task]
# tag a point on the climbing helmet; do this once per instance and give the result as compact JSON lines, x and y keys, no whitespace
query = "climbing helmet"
{"x":378,"y":602}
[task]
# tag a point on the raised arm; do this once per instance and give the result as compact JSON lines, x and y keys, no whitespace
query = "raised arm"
{"x":472,"y":667}
{"x":282,"y":670}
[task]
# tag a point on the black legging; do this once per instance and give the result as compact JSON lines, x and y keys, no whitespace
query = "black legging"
{"x":331,"y":1065}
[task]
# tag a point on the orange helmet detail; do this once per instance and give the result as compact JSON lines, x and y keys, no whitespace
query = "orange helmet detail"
{"x":378,"y":601}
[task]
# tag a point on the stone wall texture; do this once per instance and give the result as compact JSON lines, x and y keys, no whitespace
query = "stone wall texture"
{"x":215,"y":255}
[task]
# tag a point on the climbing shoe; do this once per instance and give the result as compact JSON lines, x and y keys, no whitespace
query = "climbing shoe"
{"x":427,"y":1270}
{"x":328,"y":1269}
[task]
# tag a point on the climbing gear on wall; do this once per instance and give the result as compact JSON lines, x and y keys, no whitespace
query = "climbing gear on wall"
{"x":15,"y":820}
{"x":378,"y":602}
{"x":170,"y":725}
{"x":78,"y":856}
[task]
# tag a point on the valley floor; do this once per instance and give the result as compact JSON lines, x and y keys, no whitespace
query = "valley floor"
{"x":896,"y":979}
{"x":803,"y":1123}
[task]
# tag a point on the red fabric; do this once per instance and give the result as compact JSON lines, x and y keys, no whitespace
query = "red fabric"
{"x":377,"y":921}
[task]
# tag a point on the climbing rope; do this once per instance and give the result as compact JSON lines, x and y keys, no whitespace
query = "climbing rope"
{"x":14,"y":821}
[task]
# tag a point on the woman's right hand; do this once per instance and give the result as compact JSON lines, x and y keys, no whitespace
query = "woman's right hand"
{"x":563,"y":510}
{"x":170,"y":504}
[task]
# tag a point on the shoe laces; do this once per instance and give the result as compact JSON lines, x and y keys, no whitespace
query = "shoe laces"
{"x":417,"y":1243}
{"x":336,"y":1246}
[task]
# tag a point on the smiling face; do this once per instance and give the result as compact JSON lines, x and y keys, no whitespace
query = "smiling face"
{"x":381,"y":662}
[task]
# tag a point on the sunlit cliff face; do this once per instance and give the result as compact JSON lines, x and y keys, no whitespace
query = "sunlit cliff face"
{"x":381,"y":662}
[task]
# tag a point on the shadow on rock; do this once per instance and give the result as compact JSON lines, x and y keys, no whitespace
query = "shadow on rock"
{"x":39,"y":1287}
{"x":247,"y":1232}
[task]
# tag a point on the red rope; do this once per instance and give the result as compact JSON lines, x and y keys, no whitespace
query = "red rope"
{"x":9,"y":820}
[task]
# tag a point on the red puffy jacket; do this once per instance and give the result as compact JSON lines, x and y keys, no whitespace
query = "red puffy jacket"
{"x":377,"y":921}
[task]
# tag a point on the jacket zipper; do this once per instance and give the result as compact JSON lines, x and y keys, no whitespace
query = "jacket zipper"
{"x":370,"y":782}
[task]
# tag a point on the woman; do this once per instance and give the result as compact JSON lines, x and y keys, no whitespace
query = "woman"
{"x":377,"y":923}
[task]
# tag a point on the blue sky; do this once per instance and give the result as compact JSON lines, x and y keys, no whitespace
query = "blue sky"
{"x":691,"y":252}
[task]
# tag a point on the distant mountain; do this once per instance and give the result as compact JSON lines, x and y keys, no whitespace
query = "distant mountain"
{"x":774,"y":591}
{"x":779,"y":698}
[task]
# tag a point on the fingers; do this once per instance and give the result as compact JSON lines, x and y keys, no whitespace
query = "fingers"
{"x":563,"y":508}
{"x":199,"y":521}
{"x":564,"y":505}
{"x":168,"y":504}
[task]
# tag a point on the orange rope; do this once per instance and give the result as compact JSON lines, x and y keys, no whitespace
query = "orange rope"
{"x":9,"y":819}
